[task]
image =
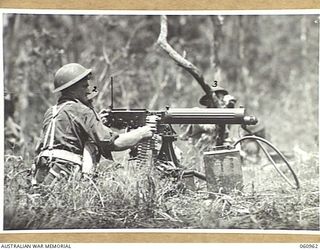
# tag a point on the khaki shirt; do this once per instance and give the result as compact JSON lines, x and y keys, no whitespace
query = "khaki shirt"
{"x":75,"y":125}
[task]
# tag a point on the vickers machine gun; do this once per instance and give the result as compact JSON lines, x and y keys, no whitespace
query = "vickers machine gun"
{"x":222,"y":165}
{"x":163,"y":120}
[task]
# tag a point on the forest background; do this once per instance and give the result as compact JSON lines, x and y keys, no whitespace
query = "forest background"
{"x":270,"y":63}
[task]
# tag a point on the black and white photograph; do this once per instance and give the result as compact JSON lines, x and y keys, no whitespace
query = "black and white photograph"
{"x":162,"y":120}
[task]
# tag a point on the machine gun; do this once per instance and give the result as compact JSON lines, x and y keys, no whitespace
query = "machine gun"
{"x":163,"y":119}
{"x":134,"y":118}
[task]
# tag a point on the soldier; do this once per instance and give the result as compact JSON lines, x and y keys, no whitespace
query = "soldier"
{"x":73,"y":134}
{"x":215,"y":98}
{"x":208,"y":136}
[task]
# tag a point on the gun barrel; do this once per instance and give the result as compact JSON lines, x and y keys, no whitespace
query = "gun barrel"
{"x":208,"y":116}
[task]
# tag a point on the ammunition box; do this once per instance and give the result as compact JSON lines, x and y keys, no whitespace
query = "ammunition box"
{"x":223,"y":170}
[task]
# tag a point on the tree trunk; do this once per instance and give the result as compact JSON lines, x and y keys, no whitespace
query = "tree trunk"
{"x":217,"y":37}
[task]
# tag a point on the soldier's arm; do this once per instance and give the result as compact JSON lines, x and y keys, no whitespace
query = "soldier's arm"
{"x":129,"y":139}
{"x":108,"y":140}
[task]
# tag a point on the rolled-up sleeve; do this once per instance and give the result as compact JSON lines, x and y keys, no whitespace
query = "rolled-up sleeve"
{"x":103,"y":136}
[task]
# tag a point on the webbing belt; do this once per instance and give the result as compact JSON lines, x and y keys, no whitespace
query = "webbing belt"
{"x":62,"y":154}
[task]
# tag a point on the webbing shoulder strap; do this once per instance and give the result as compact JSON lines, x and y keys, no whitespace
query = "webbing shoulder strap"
{"x":51,"y":126}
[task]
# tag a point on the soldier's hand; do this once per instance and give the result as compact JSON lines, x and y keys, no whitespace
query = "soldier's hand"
{"x":146,"y":131}
{"x":229,"y":101}
{"x":104,"y":115}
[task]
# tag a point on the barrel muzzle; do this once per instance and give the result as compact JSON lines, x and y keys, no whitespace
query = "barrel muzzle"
{"x":250,"y":120}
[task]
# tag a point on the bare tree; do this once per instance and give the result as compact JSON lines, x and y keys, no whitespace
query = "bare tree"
{"x":180,"y":60}
{"x":192,"y":69}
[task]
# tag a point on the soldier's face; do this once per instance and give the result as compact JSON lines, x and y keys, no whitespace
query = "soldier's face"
{"x":84,"y":90}
{"x":220,"y":95}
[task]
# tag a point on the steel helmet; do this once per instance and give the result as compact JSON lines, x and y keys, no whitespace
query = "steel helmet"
{"x":68,"y":75}
{"x":204,"y":99}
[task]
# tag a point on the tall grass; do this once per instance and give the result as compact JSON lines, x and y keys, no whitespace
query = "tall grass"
{"x":127,"y":196}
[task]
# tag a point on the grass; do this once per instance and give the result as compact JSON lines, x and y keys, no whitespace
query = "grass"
{"x":128,"y":196}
